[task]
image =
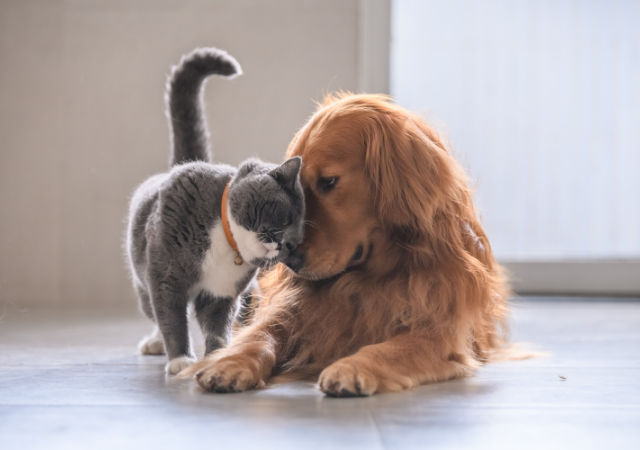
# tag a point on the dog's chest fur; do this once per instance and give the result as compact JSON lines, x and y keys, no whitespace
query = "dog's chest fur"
{"x":220,"y":275}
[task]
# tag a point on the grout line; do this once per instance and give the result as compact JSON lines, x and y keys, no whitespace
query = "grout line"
{"x":378,"y":432}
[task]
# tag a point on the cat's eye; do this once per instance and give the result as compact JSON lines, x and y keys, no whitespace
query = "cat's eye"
{"x":285,"y":223}
{"x":325,"y":184}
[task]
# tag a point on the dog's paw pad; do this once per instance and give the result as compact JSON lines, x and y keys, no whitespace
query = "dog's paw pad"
{"x":178,"y":364}
{"x":343,"y":379}
{"x":229,"y":375}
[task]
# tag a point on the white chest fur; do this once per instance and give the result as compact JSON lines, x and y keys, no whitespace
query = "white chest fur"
{"x":220,"y":275}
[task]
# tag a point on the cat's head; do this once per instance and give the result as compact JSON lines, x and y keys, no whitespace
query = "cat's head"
{"x":266,"y":206}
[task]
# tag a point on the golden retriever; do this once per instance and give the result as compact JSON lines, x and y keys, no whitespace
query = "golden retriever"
{"x":395,"y":284}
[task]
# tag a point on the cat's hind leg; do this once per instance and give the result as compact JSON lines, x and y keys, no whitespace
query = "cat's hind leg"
{"x":215,"y":316}
{"x":145,"y":301}
{"x":153,"y":343}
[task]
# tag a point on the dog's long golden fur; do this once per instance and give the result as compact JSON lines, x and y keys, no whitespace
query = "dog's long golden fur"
{"x":399,"y":285}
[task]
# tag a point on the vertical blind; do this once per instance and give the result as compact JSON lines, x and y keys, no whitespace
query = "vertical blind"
{"x":541,"y":102}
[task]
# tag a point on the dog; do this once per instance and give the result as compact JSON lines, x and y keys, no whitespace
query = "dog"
{"x":394,"y":285}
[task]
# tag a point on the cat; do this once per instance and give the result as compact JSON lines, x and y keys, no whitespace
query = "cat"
{"x":180,"y":249}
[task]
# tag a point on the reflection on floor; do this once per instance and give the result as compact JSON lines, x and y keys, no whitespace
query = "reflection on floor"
{"x":72,"y":379}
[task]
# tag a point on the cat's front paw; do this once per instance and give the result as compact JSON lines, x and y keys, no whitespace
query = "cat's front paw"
{"x":178,"y":364}
{"x":231,"y":374}
{"x":152,"y":344}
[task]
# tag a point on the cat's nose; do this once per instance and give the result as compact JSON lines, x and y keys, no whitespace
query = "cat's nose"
{"x":294,"y":261}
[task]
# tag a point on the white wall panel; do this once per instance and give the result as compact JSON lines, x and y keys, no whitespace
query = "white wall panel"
{"x":541,"y":101}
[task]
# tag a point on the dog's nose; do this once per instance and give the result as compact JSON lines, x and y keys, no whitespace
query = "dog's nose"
{"x":294,"y":261}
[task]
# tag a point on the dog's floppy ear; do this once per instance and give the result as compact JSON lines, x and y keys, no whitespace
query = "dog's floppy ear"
{"x":410,"y":171}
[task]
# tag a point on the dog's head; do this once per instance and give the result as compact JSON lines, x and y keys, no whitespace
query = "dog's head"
{"x":372,"y":173}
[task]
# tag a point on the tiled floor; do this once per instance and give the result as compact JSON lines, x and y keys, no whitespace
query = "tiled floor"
{"x":72,"y":379}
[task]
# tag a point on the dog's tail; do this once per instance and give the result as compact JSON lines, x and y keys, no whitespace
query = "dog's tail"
{"x":185,"y":103}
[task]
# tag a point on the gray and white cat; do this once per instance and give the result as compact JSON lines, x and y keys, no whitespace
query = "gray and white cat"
{"x":176,"y":245}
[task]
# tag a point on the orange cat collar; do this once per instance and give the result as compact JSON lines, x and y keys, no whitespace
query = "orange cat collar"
{"x":227,"y":230}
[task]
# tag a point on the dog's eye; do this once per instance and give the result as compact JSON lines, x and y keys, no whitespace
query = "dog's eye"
{"x":325,"y":184}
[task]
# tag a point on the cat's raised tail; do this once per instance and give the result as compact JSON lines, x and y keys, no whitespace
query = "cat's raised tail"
{"x":185,"y":104}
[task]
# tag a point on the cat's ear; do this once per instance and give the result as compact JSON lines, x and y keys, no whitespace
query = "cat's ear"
{"x":286,"y":173}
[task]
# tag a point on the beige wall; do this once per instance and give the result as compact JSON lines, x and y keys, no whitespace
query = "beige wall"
{"x":82,"y":121}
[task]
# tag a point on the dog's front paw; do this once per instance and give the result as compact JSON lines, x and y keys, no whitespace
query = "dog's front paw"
{"x":178,"y":364}
{"x":347,"y":379}
{"x":236,"y":373}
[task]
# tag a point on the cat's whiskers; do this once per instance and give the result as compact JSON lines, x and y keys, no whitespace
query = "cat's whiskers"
{"x":313,"y":225}
{"x":310,"y":223}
